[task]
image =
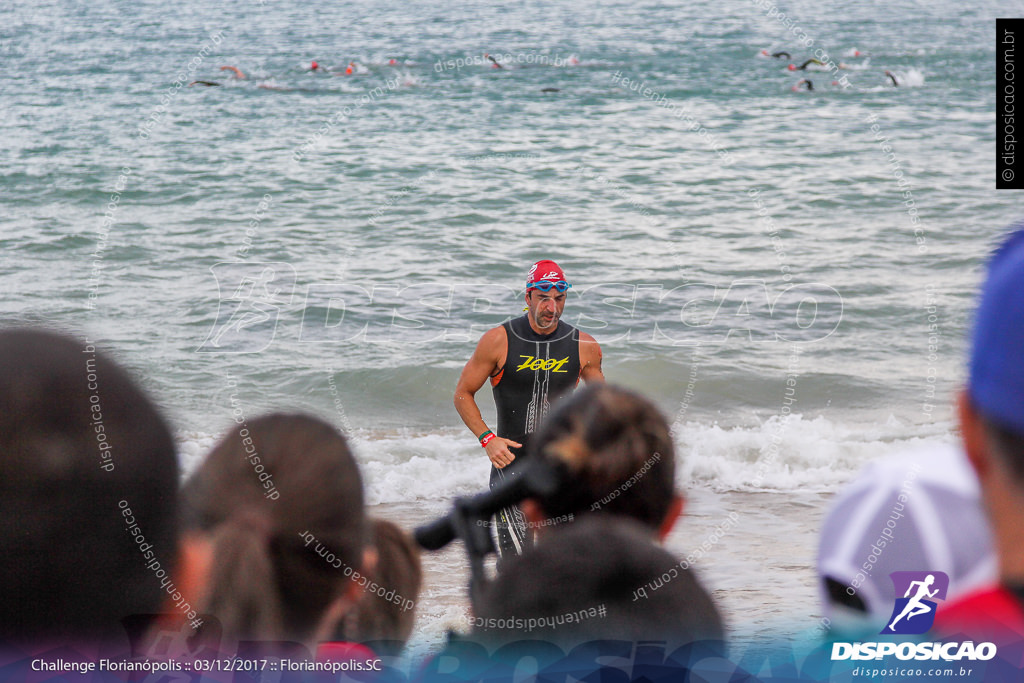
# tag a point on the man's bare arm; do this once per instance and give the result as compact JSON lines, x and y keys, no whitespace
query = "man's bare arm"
{"x":485,"y":361}
{"x":590,"y":359}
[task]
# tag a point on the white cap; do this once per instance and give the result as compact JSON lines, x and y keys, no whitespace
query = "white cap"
{"x":917,"y":511}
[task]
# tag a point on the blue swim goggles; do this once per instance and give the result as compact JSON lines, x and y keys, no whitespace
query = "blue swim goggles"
{"x":546,"y":285}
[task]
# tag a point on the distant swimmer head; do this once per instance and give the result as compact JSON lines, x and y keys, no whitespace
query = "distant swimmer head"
{"x":764,"y":52}
{"x":314,"y":66}
{"x":350,"y":68}
{"x":392,"y":61}
{"x":803,"y":81}
{"x":791,"y":67}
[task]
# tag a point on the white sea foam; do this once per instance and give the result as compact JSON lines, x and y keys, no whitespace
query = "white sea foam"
{"x":909,"y":78}
{"x":857,"y":66}
{"x":808,"y":454}
{"x":779,"y":454}
{"x":407,"y":78}
{"x":422,"y":468}
{"x":192,"y":448}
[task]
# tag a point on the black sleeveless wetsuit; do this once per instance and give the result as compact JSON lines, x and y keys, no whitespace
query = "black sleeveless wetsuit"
{"x":538,"y":370}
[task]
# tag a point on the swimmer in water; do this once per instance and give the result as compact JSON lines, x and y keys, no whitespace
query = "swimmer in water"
{"x":803,"y":81}
{"x":494,"y":62}
{"x":238,"y":72}
{"x":803,"y":67}
{"x":777,"y":55}
{"x":314,"y":66}
{"x":206,"y":83}
{"x":350,"y":69}
{"x":892,"y":78}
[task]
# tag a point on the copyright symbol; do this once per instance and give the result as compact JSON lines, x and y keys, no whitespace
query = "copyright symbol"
{"x":1007,"y":174}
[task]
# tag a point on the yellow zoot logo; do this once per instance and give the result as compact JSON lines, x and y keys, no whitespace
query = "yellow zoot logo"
{"x":535,"y":364}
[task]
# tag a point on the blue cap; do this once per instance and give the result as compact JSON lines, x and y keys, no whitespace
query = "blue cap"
{"x":996,"y":384}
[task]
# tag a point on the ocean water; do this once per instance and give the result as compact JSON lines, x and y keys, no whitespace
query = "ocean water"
{"x":337,"y":243}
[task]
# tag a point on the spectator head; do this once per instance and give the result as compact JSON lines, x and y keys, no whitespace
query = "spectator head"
{"x":632,"y":589}
{"x":280,"y":502}
{"x":916,"y":510}
{"x":991,"y":408}
{"x":88,"y":486}
{"x":383,"y":617}
{"x":616,"y":449}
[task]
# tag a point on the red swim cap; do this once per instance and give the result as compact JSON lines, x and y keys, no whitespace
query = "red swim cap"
{"x":791,"y":67}
{"x":315,"y":66}
{"x":544,"y":270}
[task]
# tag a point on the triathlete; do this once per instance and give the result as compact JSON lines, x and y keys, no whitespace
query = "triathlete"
{"x":531,"y":361}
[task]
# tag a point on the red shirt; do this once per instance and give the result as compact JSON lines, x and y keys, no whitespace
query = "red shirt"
{"x":994,"y":615}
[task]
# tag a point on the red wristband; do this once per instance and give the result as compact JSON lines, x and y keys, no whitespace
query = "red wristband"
{"x":487,"y":439}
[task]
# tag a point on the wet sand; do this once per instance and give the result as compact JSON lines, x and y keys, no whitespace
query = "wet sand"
{"x":753,"y":551}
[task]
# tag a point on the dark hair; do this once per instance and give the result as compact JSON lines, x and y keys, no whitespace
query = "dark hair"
{"x":88,"y":480}
{"x":617,"y":451}
{"x":281,"y":499}
{"x":563,"y":575}
{"x":385,"y":612}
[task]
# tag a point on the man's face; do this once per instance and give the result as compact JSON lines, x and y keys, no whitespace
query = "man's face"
{"x":545,"y":307}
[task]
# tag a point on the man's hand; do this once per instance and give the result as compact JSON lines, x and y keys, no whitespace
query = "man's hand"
{"x":498,"y":452}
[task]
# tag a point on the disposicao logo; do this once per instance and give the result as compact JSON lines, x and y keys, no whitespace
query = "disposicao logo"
{"x":914,"y":613}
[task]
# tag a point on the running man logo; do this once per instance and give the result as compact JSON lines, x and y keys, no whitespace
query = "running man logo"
{"x":914,"y":613}
{"x":535,"y":364}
